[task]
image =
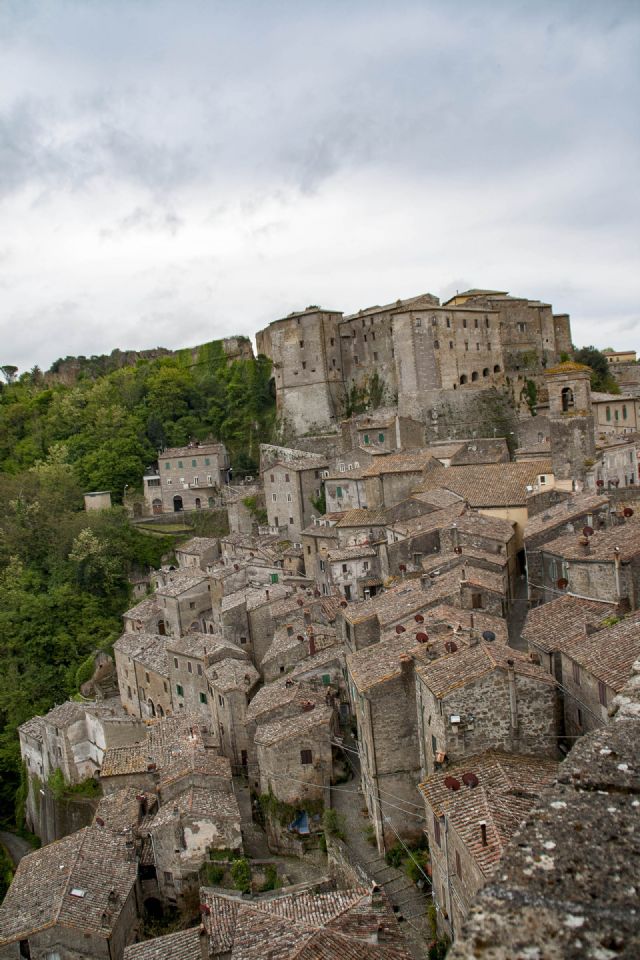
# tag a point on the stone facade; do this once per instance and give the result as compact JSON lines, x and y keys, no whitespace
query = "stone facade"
{"x":188,"y":478}
{"x":289,"y":489}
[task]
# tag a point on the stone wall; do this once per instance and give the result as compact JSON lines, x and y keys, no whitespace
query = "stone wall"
{"x":567,"y":886}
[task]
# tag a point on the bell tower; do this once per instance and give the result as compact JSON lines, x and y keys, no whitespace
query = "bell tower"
{"x":572,"y":431}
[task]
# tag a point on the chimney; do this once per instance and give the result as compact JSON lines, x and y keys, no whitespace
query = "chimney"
{"x":307,"y":616}
{"x":589,"y":628}
{"x":312,"y":645}
{"x":584,"y":543}
{"x":483,"y":832}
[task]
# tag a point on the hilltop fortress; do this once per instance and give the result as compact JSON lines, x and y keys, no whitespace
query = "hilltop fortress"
{"x":452,"y":364}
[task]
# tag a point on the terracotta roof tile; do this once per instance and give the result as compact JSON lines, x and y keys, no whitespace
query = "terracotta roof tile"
{"x":489,"y":484}
{"x":456,"y":670}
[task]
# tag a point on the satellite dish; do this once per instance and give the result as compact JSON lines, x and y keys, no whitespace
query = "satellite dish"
{"x":470,"y":779}
{"x":562,"y":583}
{"x":587,"y":531}
{"x":457,"y":549}
{"x":627,"y":512}
{"x":451,"y":783}
{"x":419,"y":618}
{"x":400,"y":628}
{"x":402,"y":567}
{"x":300,"y":602}
{"x":450,"y":646}
{"x":599,"y":483}
{"x":343,"y":603}
{"x":422,"y":637}
{"x":489,"y":636}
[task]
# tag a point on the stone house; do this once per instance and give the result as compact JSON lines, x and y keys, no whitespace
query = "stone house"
{"x":364,"y":623}
{"x":352,"y":922}
{"x":231,"y":683}
{"x":408,"y":541}
{"x":393,"y":477}
{"x":568,"y":516}
{"x":317,"y":540}
{"x":275,"y":701}
{"x":344,"y":489}
{"x":484,"y":538}
{"x":494,"y":489}
{"x":382,"y":431}
{"x":187,"y":478}
{"x":595,"y":667}
{"x":616,"y":413}
{"x":295,"y":642}
{"x":289,"y":488}
{"x":473,"y":809}
{"x":184,"y":600}
{"x":187,"y":660}
{"x":77,"y":897}
{"x":484,"y":696}
{"x":616,"y":463}
{"x":143,"y":675}
{"x":354,"y":571}
{"x":294,"y":755}
{"x":602,"y":566}
{"x":549,"y":626}
{"x":483,"y":589}
{"x":244,"y":504}
{"x":197,"y":553}
{"x":145,"y":617}
{"x":183,"y":831}
{"x":360,"y":526}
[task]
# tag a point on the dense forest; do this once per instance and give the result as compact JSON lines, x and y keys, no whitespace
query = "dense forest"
{"x":63,"y":572}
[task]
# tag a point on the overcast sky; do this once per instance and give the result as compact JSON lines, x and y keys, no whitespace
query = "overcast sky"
{"x":172,"y":171}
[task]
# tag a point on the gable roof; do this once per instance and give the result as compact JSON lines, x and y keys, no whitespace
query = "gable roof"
{"x":81,"y":881}
{"x":508,"y":786}
{"x":488,"y":484}
{"x":549,"y":626}
{"x":609,"y":654}
{"x":459,"y":669}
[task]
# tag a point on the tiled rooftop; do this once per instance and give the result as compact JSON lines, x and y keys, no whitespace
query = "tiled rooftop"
{"x":479,"y":524}
{"x":282,"y":695}
{"x":409,"y":462}
{"x":47,"y":884}
{"x":360,"y":517}
{"x":623,"y":539}
{"x":438,"y":497}
{"x":143,"y":611}
{"x":183,"y":945}
{"x":564,"y":512}
{"x":149,"y":649}
{"x":197,"y":546}
{"x":192,"y":450}
{"x":549,"y":626}
{"x":354,"y":924}
{"x":610,"y":653}
{"x":179,"y":581}
{"x":351,"y":553}
{"x":296,"y":727}
{"x":508,"y":786}
{"x":456,"y":670}
{"x":489,"y":484}
{"x":427,"y":522}
{"x":230,"y":674}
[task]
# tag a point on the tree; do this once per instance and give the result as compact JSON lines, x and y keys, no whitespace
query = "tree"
{"x":601,"y":378}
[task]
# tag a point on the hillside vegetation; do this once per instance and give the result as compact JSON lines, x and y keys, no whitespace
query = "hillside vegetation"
{"x":63,"y":572}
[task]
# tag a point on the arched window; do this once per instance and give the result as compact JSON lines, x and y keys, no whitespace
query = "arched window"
{"x":608,"y":414}
{"x":463,"y":378}
{"x":162,"y":629}
{"x":567,"y":398}
{"x":474,"y":376}
{"x":485,"y":372}
{"x":156,"y":505}
{"x":496,"y":369}
{"x":198,"y":503}
{"x":177,"y":504}
{"x":624,"y":411}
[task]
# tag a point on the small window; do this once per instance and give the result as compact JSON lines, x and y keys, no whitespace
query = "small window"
{"x":142,"y":694}
{"x":458,"y":861}
{"x":180,"y":464}
{"x":243,"y":640}
{"x":450,"y":344}
{"x":464,"y":323}
{"x":274,"y":497}
{"x":381,"y":438}
{"x":203,"y":698}
{"x":274,"y":578}
{"x":286,"y":478}
{"x":602,"y":693}
{"x":436,"y":829}
{"x":575,"y":667}
{"x":338,"y":492}
{"x":129,"y":693}
{"x":221,"y":700}
{"x":375,"y":356}
{"x":192,"y":604}
{"x":194,"y":463}
{"x":448,"y":323}
{"x":146,"y":677}
{"x":306,"y":757}
{"x":272,"y":478}
{"x":365,"y":565}
{"x":301,"y":344}
{"x":167,"y":466}
{"x":189,"y":666}
{"x":579,"y":717}
{"x":366,"y":438}
{"x":344,"y":568}
{"x":179,"y":690}
{"x":207,"y":461}
{"x":436,"y":345}
{"x":175,"y":662}
{"x":199,"y":669}
{"x":289,"y":498}
{"x":418,"y":322}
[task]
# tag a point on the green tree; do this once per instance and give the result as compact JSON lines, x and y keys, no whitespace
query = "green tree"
{"x":601,"y":378}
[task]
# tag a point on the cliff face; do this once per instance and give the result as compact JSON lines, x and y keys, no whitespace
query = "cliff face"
{"x":70,"y":369}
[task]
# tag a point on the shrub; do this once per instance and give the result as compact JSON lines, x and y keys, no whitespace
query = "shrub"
{"x":214,"y":874}
{"x":395,"y":856}
{"x":271,"y":878}
{"x":334,"y":823}
{"x":370,"y":834}
{"x":241,"y":875}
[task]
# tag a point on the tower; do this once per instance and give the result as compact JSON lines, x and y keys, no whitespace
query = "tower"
{"x":571,"y":423}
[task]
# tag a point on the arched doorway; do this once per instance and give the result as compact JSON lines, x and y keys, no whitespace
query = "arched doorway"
{"x":474,"y":376}
{"x":177,"y":503}
{"x":162,"y":628}
{"x":152,"y":709}
{"x":156,"y":505}
{"x":160,"y":710}
{"x":198,"y":503}
{"x":463,"y":379}
{"x":567,"y":399}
